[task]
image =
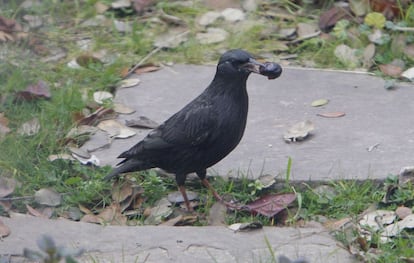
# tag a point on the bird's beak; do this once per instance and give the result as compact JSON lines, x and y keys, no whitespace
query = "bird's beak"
{"x":253,"y":66}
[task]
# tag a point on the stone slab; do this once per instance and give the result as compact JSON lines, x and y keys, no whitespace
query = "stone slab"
{"x":160,"y":244}
{"x":338,"y":148}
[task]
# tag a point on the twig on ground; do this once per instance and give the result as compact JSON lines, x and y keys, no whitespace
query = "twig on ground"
{"x":154,"y":51}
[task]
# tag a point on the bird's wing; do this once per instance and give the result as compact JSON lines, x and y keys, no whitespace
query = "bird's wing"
{"x":194,"y":125}
{"x":191,"y":126}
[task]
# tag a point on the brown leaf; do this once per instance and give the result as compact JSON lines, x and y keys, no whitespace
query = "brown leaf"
{"x":4,"y":37}
{"x":85,"y":209}
{"x":6,"y":24}
{"x":32,"y":211}
{"x":334,"y":114}
{"x":121,"y":191}
{"x":270,"y":205}
{"x":3,"y":120}
{"x":140,"y":5}
{"x":4,"y":230}
{"x":147,"y":68}
{"x":409,"y":51}
{"x":32,"y":92}
{"x":134,"y":200}
{"x":112,"y":214}
{"x":389,"y":8}
{"x":91,"y":218}
{"x":7,"y":186}
{"x":94,"y":117}
{"x":85,"y":60}
{"x":328,"y":19}
{"x":100,"y":7}
{"x":391,"y":70}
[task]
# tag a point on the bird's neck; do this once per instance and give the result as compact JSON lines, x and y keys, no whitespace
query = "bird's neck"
{"x":235,"y":86}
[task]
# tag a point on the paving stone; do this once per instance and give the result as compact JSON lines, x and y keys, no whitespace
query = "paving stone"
{"x":160,"y":244}
{"x":339,"y":148}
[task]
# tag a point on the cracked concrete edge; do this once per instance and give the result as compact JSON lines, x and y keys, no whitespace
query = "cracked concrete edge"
{"x":174,"y":244}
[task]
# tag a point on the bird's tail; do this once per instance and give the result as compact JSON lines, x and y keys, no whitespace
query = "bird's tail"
{"x":127,"y":166}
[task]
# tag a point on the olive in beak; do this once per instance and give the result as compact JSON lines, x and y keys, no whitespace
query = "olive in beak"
{"x":269,"y":69}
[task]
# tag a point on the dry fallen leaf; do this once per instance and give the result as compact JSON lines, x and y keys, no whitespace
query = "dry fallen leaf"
{"x":36,"y":91}
{"x":34,"y":212}
{"x":86,"y":60}
{"x":121,"y":191}
{"x":140,"y":5}
{"x":319,"y":102}
{"x":101,"y":96}
{"x":123,"y":109}
{"x":328,"y":19}
{"x":29,"y":128}
{"x":391,"y":70}
{"x":128,"y":83}
{"x":146,"y":68}
{"x":142,"y":122}
{"x":116,"y":129}
{"x":271,"y":204}
{"x":376,"y":220}
{"x":403,"y":211}
{"x":7,"y":186}
{"x":80,"y":131}
{"x":4,"y":230}
{"x":79,"y":152}
{"x":299,"y":131}
{"x":161,"y":211}
{"x":91,"y":218}
{"x":335,"y":114}
{"x":47,"y":196}
{"x":112,"y":214}
{"x":9,"y":29}
{"x":100,"y":7}
{"x":395,"y":229}
{"x":133,"y":201}
{"x":94,"y":117}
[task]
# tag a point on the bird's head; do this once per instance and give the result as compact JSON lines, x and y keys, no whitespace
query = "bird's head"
{"x":238,"y":62}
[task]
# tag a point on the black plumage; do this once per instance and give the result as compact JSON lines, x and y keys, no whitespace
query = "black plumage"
{"x":204,"y":131}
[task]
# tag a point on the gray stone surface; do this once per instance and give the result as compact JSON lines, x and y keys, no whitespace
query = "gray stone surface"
{"x":173,"y":244}
{"x":337,"y":148}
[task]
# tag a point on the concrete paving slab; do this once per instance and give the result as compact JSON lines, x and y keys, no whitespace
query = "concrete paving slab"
{"x":173,"y":244}
{"x":338,"y":148}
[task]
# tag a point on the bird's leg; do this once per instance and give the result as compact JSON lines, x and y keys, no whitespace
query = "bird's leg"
{"x":209,"y":187}
{"x":202,"y":175}
{"x":184,"y":194}
{"x":180,"y":179}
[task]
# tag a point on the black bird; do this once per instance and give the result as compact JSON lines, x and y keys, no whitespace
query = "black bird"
{"x":205,"y":130}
